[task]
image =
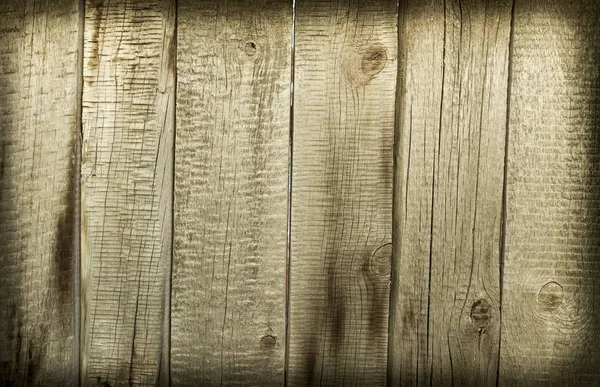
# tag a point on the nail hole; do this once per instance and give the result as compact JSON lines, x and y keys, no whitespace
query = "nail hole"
{"x":268,"y":342}
{"x":250,"y":48}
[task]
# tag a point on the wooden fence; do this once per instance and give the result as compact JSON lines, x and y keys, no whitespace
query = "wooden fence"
{"x":342,"y":192}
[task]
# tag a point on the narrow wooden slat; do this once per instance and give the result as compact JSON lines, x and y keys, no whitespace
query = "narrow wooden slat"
{"x":233,"y":116}
{"x":445,"y":317}
{"x":344,"y":92}
{"x":38,"y":127}
{"x":128,"y":122}
{"x":551,"y":296}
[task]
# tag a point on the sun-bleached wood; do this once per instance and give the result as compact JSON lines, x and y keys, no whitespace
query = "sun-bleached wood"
{"x":341,"y":215}
{"x":551,"y":296}
{"x":452,"y":99}
{"x":126,"y":184}
{"x":231,"y":168}
{"x":38,"y":168}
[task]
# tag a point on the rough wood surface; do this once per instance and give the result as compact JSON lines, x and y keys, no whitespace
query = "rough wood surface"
{"x":128,"y":122}
{"x":233,"y":117}
{"x":551,"y":296}
{"x":38,"y":127}
{"x":343,"y":135}
{"x":452,"y":98}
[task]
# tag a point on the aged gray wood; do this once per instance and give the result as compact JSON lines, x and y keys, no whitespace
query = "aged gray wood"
{"x":445,"y":318}
{"x":344,"y":93}
{"x":38,"y":127}
{"x":233,"y":118}
{"x":126,"y":183}
{"x":551,"y":296}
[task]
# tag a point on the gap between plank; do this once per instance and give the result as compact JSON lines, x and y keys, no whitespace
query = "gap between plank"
{"x":165,"y":367}
{"x":77,"y":188}
{"x":504,"y":184}
{"x":289,"y":206}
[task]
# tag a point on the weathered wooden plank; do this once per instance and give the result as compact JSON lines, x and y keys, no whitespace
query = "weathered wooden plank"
{"x":128,"y":123}
{"x":233,"y":118}
{"x":445,"y":309}
{"x":344,"y":93}
{"x":38,"y":132}
{"x":551,"y":297}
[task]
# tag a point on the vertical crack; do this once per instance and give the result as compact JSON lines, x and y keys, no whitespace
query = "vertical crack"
{"x":505,"y":179}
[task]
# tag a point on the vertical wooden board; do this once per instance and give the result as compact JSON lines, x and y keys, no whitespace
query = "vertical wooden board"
{"x":451,"y":130}
{"x":38,"y":170}
{"x":128,"y":123}
{"x":343,"y":135}
{"x":551,"y":297}
{"x":232,"y":145}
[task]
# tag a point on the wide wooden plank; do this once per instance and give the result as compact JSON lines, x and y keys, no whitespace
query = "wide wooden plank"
{"x":126,"y":183}
{"x":343,"y":135}
{"x":233,"y":117}
{"x":452,"y":96}
{"x":551,"y":297}
{"x":38,"y":169}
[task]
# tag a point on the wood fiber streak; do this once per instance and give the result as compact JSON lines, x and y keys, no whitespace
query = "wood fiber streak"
{"x":38,"y":105}
{"x":233,"y":118}
{"x":128,"y":123}
{"x":551,"y":295}
{"x":344,"y":93}
{"x":451,"y":130}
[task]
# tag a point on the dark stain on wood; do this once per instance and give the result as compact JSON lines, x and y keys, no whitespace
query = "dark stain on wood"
{"x":63,"y":249}
{"x":311,"y":356}
{"x":97,"y":7}
{"x":336,"y":300}
{"x":172,"y":52}
{"x":18,"y":341}
{"x":102,"y":383}
{"x":28,"y":354}
{"x":33,"y":365}
{"x":3,"y":159}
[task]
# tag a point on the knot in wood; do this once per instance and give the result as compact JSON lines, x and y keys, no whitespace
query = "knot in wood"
{"x":550,"y":296}
{"x":361,"y":65}
{"x":481,"y":313}
{"x":268,"y":342}
{"x":381,"y":260}
{"x":373,"y":60}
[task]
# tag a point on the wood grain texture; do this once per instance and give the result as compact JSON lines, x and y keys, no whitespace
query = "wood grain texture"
{"x":452,"y":96}
{"x":128,"y":124}
{"x":551,"y":296}
{"x":233,"y":117}
{"x":38,"y":131}
{"x":344,"y":92}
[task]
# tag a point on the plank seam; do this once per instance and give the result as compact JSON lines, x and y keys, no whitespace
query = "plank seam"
{"x":165,"y":369}
{"x":77,"y":188}
{"x":289,"y":207}
{"x":433,"y":181}
{"x":502,"y":247}
{"x":396,"y":143}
